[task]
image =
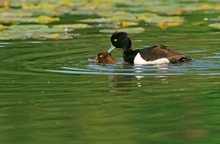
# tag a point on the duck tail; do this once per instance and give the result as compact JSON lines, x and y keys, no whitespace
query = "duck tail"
{"x":179,"y":58}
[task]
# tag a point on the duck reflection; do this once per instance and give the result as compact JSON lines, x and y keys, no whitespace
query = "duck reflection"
{"x":137,"y":77}
{"x":166,"y":102}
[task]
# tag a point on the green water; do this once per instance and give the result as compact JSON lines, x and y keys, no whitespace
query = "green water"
{"x":51,"y":93}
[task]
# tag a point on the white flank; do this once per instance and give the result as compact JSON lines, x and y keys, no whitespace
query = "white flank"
{"x":140,"y":61}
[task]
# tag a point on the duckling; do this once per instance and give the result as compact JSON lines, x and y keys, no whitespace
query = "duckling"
{"x":106,"y":58}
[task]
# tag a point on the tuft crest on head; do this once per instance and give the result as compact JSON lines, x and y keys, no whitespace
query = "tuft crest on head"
{"x":121,"y":40}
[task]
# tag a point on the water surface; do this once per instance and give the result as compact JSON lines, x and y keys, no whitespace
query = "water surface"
{"x":51,"y":93}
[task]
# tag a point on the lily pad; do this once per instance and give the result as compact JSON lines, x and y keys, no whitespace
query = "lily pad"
{"x":129,"y":30}
{"x":165,"y":25}
{"x":134,"y":18}
{"x":46,"y":19}
{"x":73,"y":26}
{"x":2,"y":27}
{"x":34,"y":32}
{"x":127,"y":24}
{"x":23,"y":16}
{"x":215,"y":25}
{"x":106,"y":13}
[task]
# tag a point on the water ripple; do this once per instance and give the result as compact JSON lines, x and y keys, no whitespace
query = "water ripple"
{"x":193,"y":68}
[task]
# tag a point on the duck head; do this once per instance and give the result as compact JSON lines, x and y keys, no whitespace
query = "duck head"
{"x":105,"y":57}
{"x":120,"y":40}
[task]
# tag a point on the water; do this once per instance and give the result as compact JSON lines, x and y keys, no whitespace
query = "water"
{"x":51,"y":93}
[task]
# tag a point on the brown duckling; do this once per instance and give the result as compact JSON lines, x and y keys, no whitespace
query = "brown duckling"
{"x":106,"y":58}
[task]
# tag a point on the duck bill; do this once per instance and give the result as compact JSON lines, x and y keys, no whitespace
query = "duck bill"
{"x":111,"y":48}
{"x":96,"y":59}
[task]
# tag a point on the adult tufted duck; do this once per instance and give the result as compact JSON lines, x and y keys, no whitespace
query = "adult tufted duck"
{"x":157,"y":54}
{"x":106,"y":58}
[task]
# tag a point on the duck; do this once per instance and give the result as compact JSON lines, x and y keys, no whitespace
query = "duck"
{"x":105,"y":58}
{"x":152,"y":55}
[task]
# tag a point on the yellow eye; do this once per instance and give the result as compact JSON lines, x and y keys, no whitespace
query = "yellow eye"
{"x":101,"y":56}
{"x":115,"y":40}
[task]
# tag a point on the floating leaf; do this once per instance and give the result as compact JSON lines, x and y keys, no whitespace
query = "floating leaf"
{"x":177,"y":12}
{"x":66,"y":3}
{"x":215,"y":25}
{"x":129,"y":30}
{"x":33,"y":6}
{"x":212,"y":19}
{"x":46,"y":19}
{"x":157,"y":19}
{"x":108,"y":13}
{"x":126,"y":24}
{"x":35,"y":32}
{"x":199,"y":7}
{"x":165,"y":25}
{"x":131,"y":19}
{"x":51,"y":36}
{"x":12,"y":16}
{"x":74,"y":26}
{"x":2,"y":27}
{"x":6,"y":4}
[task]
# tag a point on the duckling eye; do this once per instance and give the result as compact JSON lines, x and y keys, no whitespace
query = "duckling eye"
{"x":115,"y":40}
{"x":101,"y":56}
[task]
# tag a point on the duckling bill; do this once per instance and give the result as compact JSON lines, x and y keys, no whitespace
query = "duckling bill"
{"x":157,"y":54}
{"x":105,"y":58}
